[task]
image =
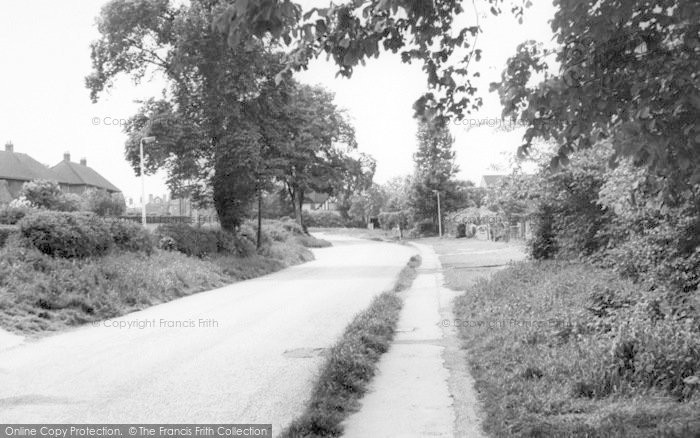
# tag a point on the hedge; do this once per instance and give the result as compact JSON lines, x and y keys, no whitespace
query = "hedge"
{"x":67,"y":235}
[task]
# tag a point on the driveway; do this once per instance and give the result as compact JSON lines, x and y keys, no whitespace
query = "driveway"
{"x":245,"y":353}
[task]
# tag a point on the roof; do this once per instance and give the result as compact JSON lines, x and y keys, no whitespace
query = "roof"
{"x":315,"y":198}
{"x":492,"y":180}
{"x":22,"y":167}
{"x":78,"y":174}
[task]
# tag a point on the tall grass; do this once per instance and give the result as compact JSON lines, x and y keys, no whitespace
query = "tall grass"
{"x":565,"y":349}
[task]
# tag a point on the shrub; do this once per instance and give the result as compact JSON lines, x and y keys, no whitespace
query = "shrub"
{"x":130,"y":236}
{"x":102,"y":203}
{"x":323,"y":219}
{"x":189,"y":240}
{"x":67,"y":235}
{"x":543,"y":244}
{"x":5,"y":232}
{"x":426,"y":228}
{"x":12,"y":215}
{"x":390,"y":219}
{"x":43,"y":194}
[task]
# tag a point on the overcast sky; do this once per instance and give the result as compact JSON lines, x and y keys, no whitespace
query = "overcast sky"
{"x":45,"y":108}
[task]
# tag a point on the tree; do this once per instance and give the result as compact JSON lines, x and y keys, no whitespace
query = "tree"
{"x":434,"y":171}
{"x":352,"y":32}
{"x":207,"y":125}
{"x":358,"y":172}
{"x":367,"y":204}
{"x":314,"y":155}
{"x":628,"y":73}
{"x":103,"y":203}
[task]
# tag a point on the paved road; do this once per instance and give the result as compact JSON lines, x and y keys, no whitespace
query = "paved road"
{"x":255,"y":367}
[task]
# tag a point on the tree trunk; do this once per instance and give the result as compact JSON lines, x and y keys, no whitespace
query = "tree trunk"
{"x":300,"y":214}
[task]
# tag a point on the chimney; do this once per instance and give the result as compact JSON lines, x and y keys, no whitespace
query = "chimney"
{"x":83,"y":161}
{"x":66,"y":156}
{"x":9,"y":147}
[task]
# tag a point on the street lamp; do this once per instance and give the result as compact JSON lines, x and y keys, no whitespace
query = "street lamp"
{"x":144,"y":140}
{"x":437,"y":192}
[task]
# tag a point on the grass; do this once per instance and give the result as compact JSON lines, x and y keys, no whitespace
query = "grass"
{"x":351,"y":364}
{"x":39,"y":293}
{"x":567,"y":350}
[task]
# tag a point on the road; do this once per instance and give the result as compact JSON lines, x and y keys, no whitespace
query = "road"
{"x":250,"y":357}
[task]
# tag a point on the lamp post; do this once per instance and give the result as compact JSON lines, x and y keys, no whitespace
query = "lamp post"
{"x":439,"y":213}
{"x":144,"y":140}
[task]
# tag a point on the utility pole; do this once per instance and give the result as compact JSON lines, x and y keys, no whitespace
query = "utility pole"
{"x":439,"y":213}
{"x":143,"y":179}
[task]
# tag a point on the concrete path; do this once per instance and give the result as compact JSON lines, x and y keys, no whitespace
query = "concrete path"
{"x":245,"y":353}
{"x":423,"y":387}
{"x":410,"y":395}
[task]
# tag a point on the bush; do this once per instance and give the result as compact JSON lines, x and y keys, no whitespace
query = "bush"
{"x":425,"y":228}
{"x":391,"y":219}
{"x":189,"y":240}
{"x":102,"y":203}
{"x":323,"y":219}
{"x":12,"y":215}
{"x":5,"y":232}
{"x":43,"y":194}
{"x":130,"y":236}
{"x":67,"y":235}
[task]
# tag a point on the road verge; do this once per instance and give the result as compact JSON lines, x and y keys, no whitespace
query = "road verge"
{"x":351,"y":363}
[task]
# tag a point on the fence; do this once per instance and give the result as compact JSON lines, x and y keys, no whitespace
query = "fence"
{"x":159,"y":219}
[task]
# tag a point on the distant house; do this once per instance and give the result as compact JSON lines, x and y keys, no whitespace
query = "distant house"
{"x":16,"y":169}
{"x":490,"y":181}
{"x":79,"y":177}
{"x":319,"y":201}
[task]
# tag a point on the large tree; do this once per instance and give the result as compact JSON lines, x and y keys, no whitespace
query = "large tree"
{"x":628,"y":72}
{"x":425,"y":31}
{"x":208,"y":124}
{"x":317,"y":139}
{"x":435,"y":169}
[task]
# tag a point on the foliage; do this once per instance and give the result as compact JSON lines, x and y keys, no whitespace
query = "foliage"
{"x":130,"y":236}
{"x":66,"y":235}
{"x":367,"y":204}
{"x":323,"y":219}
{"x":547,"y":339}
{"x":48,"y":195}
{"x":102,"y":203}
{"x":315,"y":155}
{"x":191,"y":241}
{"x":435,"y":169}
{"x":352,"y":32}
{"x":41,"y":293}
{"x":5,"y":232}
{"x":218,"y":96}
{"x":389,"y":220}
{"x":12,"y":215}
{"x":628,"y":72}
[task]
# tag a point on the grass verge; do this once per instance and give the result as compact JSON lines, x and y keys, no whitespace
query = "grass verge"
{"x":39,"y":293}
{"x":351,"y":364}
{"x":568,"y":350}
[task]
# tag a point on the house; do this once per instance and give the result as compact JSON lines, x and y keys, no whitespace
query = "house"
{"x":16,"y":169}
{"x":319,"y":201}
{"x":491,"y":181}
{"x":79,"y":177}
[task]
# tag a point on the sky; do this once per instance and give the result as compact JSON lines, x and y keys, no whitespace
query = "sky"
{"x":45,"y":109}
